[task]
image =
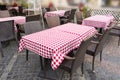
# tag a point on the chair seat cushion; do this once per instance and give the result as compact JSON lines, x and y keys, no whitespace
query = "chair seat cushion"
{"x":115,"y":32}
{"x":91,"y":49}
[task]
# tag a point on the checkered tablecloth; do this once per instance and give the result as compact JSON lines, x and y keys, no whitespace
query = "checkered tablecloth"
{"x":98,"y":21}
{"x":54,"y":13}
{"x":83,"y":31}
{"x":55,"y":43}
{"x":17,"y":20}
{"x":50,"y":44}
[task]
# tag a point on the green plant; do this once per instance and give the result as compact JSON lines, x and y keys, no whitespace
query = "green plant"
{"x":84,"y":11}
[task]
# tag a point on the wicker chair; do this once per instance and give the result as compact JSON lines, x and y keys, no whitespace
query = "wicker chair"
{"x":21,"y":11}
{"x":67,"y":13}
{"x":32,"y":27}
{"x":13,"y":12}
{"x":79,"y":17}
{"x":7,"y":32}
{"x":116,"y":32}
{"x":33,"y":18}
{"x":53,"y":21}
{"x":71,"y":64}
{"x":3,"y":7}
{"x":70,"y":17}
{"x":88,"y":13}
{"x":97,"y":46}
{"x":4,"y":13}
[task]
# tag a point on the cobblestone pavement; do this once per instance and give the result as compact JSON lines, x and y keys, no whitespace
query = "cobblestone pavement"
{"x":14,"y":66}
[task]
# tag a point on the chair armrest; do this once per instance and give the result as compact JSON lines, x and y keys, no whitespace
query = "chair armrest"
{"x":64,"y":17}
{"x":99,"y":34}
{"x":117,"y":28}
{"x":69,"y":58}
{"x":95,"y":42}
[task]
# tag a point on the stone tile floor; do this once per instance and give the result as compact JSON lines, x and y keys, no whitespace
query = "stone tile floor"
{"x":14,"y":66}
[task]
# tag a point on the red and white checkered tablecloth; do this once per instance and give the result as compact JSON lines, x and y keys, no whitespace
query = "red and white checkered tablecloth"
{"x":98,"y":21}
{"x":56,"y":42}
{"x":54,"y":13}
{"x":83,"y":31}
{"x":17,"y":20}
{"x":50,"y":44}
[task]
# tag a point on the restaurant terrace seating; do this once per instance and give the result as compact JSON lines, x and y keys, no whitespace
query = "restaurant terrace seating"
{"x":20,"y":10}
{"x":7,"y":33}
{"x":79,"y":17}
{"x":3,"y":7}
{"x":67,"y":13}
{"x":88,"y":13}
{"x":70,"y":17}
{"x":97,"y":46}
{"x":59,"y":40}
{"x":71,"y":64}
{"x":4,"y":13}
{"x":53,"y":21}
{"x":116,"y":32}
{"x":13,"y":12}
{"x":33,"y":18}
{"x":32,"y":27}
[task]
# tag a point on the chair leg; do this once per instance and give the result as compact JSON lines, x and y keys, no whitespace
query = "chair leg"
{"x":18,"y":33}
{"x":41,"y":62}
{"x":119,"y":41}
{"x":82,"y":68}
{"x":62,"y":75}
{"x":26,"y":55}
{"x":44,"y":68}
{"x":93,"y":63}
{"x":100,"y":56}
{"x":1,"y":50}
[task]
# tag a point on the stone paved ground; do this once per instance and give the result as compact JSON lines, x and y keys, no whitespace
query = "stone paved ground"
{"x":14,"y":66}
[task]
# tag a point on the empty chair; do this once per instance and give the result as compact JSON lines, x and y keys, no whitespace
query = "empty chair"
{"x":3,"y":7}
{"x":33,"y":18}
{"x":97,"y":46}
{"x":88,"y":13}
{"x":53,"y":21}
{"x":4,"y":13}
{"x":71,"y":64}
{"x":116,"y":32}
{"x":70,"y":17}
{"x":33,"y":26}
{"x":79,"y":17}
{"x":21,"y":11}
{"x":7,"y":32}
{"x":65,"y":15}
{"x":13,"y":12}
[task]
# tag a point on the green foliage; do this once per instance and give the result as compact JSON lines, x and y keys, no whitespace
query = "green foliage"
{"x":85,"y":9}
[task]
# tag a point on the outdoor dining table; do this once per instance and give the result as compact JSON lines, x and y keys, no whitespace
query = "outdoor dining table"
{"x":17,"y":19}
{"x":55,"y":13}
{"x":98,"y":21}
{"x":56,"y":43}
